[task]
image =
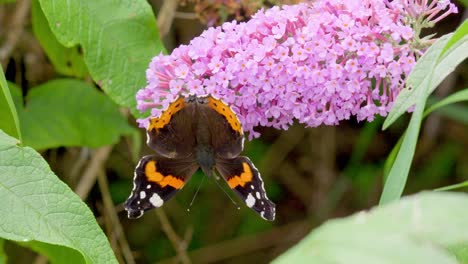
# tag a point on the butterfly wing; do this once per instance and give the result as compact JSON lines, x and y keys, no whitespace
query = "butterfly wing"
{"x":242,"y":177}
{"x":156,"y":180}
{"x":171,"y":134}
{"x":227,"y":137}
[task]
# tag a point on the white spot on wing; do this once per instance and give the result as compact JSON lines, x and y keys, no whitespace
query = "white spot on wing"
{"x":142,"y":195}
{"x":258,"y":195}
{"x":250,"y":201}
{"x":148,"y":186}
{"x":156,"y":200}
{"x":147,"y":137}
{"x":252,"y":187}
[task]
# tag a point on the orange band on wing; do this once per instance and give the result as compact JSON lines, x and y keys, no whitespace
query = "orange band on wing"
{"x":159,"y":122}
{"x":154,"y":176}
{"x":227,"y":112}
{"x":245,"y":177}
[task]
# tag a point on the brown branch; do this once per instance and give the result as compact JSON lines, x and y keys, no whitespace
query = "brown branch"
{"x":16,"y":27}
{"x":109,"y":209}
{"x":109,"y":231}
{"x":186,"y":15}
{"x":79,"y":162}
{"x":88,"y":179}
{"x":179,"y":245}
{"x":166,"y":16}
{"x":292,"y":232}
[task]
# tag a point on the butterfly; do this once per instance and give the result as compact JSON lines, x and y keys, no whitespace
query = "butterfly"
{"x":195,"y":132}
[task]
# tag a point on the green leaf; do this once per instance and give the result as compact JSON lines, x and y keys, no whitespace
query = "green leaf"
{"x":392,"y":156}
{"x":424,"y":78}
{"x":458,"y":113}
{"x":68,"y":112}
{"x":396,"y":178}
{"x":3,"y":257}
{"x":36,"y":206}
{"x":453,"y":187}
{"x":448,"y":61}
{"x":459,"y":34}
{"x":8,"y":116}
{"x":55,"y":253}
{"x":6,"y":141}
{"x":118,"y":38}
{"x":424,"y":228}
{"x":408,"y":97}
{"x":66,"y":61}
{"x":453,"y":98}
{"x":449,"y":51}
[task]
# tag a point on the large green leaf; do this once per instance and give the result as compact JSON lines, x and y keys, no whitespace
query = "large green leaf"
{"x":118,"y":38}
{"x":37,"y":207}
{"x":67,"y":61}
{"x":8,"y":117}
{"x":424,"y":228}
{"x":55,"y":253}
{"x":69,"y":112}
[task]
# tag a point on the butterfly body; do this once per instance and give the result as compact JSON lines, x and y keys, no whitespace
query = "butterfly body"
{"x":195,"y":132}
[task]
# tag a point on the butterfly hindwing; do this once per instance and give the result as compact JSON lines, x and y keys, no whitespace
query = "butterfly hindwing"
{"x":245,"y":180}
{"x":173,"y":127}
{"x":156,"y":180}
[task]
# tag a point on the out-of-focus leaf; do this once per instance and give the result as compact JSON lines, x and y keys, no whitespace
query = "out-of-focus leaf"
{"x":69,"y":112}
{"x":453,"y":98}
{"x":9,"y":121}
{"x":453,"y":187}
{"x":37,"y":207}
{"x":423,"y":228}
{"x":3,"y":257}
{"x":455,"y":112}
{"x":464,"y":2}
{"x":67,"y":61}
{"x":363,"y":142}
{"x":118,"y":38}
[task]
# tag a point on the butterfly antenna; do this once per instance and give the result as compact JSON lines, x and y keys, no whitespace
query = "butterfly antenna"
{"x":196,"y":193}
{"x":224,"y":191}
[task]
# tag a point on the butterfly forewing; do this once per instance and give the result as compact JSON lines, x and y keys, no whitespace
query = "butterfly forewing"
{"x":227,"y":135}
{"x":171,"y":135}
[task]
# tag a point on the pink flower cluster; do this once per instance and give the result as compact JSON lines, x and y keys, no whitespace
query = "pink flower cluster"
{"x":316,"y":63}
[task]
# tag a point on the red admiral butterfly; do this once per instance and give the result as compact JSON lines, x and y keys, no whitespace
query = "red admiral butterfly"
{"x":195,"y":132}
